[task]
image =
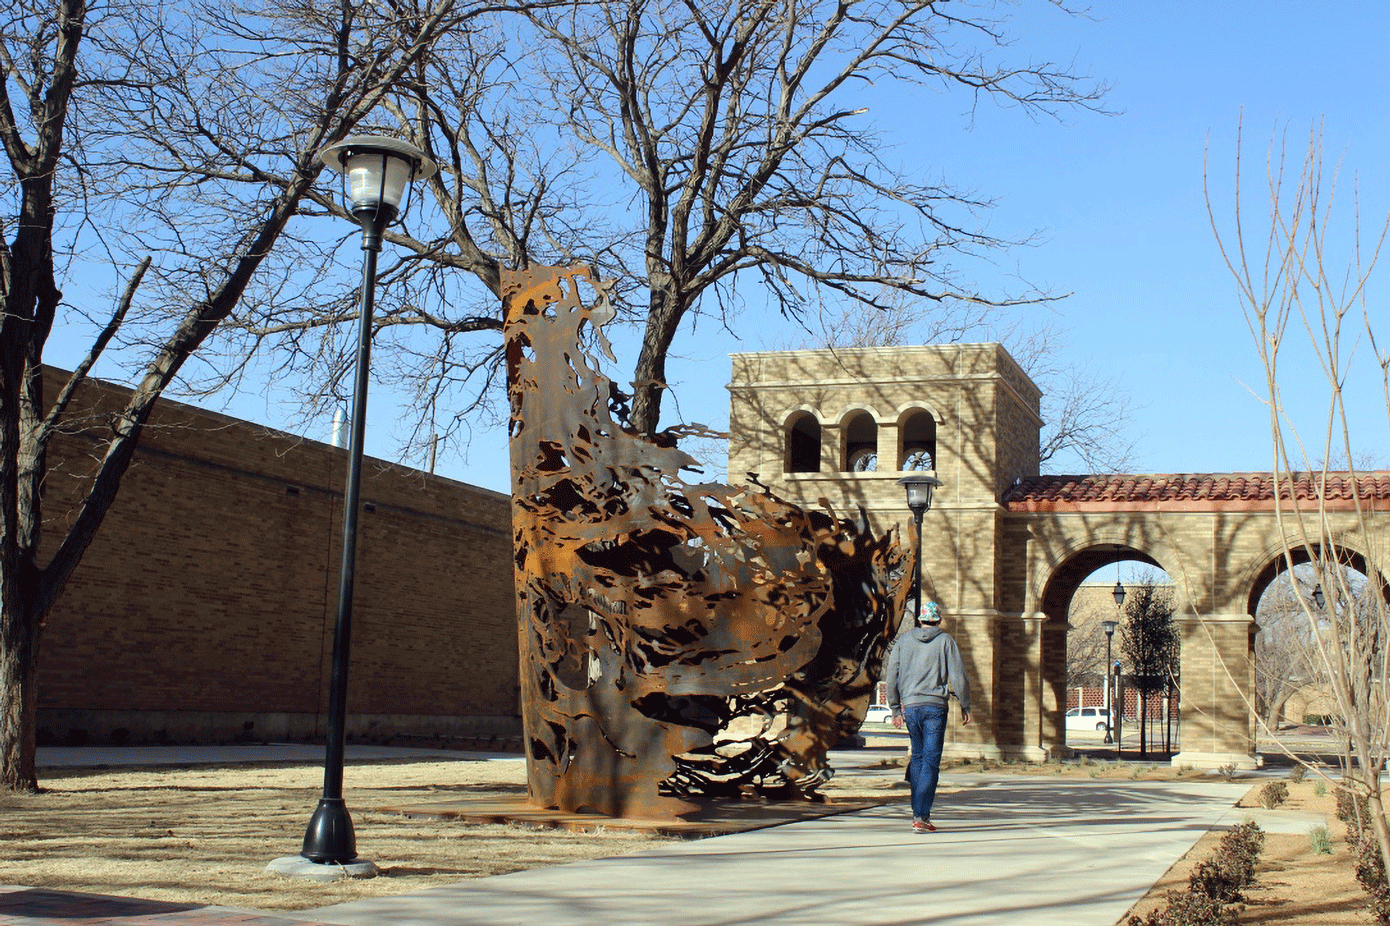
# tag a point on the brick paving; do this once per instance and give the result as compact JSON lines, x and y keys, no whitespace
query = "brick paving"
{"x":29,"y":906}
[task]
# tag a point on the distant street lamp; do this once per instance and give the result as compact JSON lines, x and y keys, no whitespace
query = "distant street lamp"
{"x":1113,"y":684}
{"x":1118,"y":710}
{"x":377,"y":170}
{"x":1109,"y":701}
{"x":919,"y":490}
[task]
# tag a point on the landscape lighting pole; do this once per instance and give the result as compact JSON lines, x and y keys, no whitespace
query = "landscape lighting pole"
{"x":1111,"y":721}
{"x":1109,"y":701}
{"x":377,"y":170}
{"x":919,"y":490}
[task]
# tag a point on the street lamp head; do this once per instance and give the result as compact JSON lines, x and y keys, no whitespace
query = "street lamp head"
{"x":919,"y":490}
{"x":1119,"y":594}
{"x":1109,"y":627}
{"x":377,"y":169}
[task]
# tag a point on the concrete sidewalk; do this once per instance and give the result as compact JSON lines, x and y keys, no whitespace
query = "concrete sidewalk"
{"x":1010,"y":850}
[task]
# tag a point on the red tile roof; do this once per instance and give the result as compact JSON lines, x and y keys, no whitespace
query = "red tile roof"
{"x":1196,"y":491}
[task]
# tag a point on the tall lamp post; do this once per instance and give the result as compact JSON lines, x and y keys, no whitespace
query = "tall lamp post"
{"x":1111,"y":720}
{"x":377,"y":171}
{"x":919,"y":490}
{"x":1109,"y":627}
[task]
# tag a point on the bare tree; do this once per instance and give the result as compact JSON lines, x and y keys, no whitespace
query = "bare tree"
{"x":1302,"y":272}
{"x":187,"y":134}
{"x":740,"y":129}
{"x":693,"y":153}
{"x":1148,"y":638}
{"x":1086,"y":655}
{"x":1285,"y":653}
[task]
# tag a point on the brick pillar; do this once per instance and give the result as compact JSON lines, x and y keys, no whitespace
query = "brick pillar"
{"x":829,"y":448}
{"x":1054,"y":688}
{"x":1003,"y":656}
{"x":975,"y":632}
{"x":1218,"y":691}
{"x":1018,"y":702}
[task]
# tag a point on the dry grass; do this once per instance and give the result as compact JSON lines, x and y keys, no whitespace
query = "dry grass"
{"x":204,"y":835}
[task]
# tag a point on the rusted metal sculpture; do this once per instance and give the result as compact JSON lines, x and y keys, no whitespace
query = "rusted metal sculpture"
{"x":678,"y":641}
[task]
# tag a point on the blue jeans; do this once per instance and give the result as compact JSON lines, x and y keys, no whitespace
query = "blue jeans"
{"x":926,"y":726}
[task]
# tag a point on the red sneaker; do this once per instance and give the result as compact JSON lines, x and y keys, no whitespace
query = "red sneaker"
{"x":923,"y":826}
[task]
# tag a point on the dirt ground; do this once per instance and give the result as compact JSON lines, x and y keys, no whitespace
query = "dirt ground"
{"x":1294,"y":884}
{"x":204,"y":835}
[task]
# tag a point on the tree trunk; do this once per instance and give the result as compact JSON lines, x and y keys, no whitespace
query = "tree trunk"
{"x":19,"y":659}
{"x":1376,"y":808}
{"x":649,"y":374}
{"x":1144,"y":719}
{"x":20,"y":620}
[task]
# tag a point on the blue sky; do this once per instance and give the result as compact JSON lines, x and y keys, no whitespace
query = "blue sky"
{"x":1117,"y":203}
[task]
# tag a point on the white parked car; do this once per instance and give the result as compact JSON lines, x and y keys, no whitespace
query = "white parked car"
{"x":878,"y":713}
{"x":1088,"y":718}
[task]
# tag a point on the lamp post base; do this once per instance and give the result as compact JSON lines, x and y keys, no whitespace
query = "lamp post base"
{"x":297,"y":866}
{"x":329,"y":838}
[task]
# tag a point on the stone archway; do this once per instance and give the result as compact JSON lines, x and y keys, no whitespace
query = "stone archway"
{"x":1057,"y":596}
{"x":1220,"y":538}
{"x":1002,"y":544}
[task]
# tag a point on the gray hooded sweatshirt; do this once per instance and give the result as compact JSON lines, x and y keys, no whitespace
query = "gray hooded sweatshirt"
{"x":923,"y":663}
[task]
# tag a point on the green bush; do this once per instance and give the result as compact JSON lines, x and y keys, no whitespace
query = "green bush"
{"x":1298,"y":773}
{"x":1370,"y":872}
{"x":1317,"y":720}
{"x":1216,"y":885}
{"x":1353,"y":810}
{"x":1320,"y":788}
{"x":1273,"y":794}
{"x":1226,"y":874}
{"x":1185,"y":908}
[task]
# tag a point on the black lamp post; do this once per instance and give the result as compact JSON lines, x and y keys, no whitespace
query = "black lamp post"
{"x":377,"y":170}
{"x":1118,"y":709}
{"x":919,"y":489}
{"x":1112,"y":720}
{"x":1109,"y":627}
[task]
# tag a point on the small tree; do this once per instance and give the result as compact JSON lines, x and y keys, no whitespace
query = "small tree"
{"x":1148,"y":640}
{"x":1298,"y":295}
{"x":122,"y":124}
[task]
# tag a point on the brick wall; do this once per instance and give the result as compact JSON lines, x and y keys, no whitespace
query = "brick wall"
{"x":204,"y":609}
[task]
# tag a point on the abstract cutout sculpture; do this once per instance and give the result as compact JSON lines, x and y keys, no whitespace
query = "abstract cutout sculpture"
{"x":679,"y":642}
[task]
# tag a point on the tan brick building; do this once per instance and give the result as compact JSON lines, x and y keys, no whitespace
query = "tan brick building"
{"x":1006,"y":549}
{"x":204,"y":609}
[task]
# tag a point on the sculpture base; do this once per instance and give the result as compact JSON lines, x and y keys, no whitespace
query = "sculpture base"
{"x":713,"y":819}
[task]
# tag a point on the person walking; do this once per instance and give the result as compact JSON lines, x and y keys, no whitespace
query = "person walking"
{"x":924,"y":670}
